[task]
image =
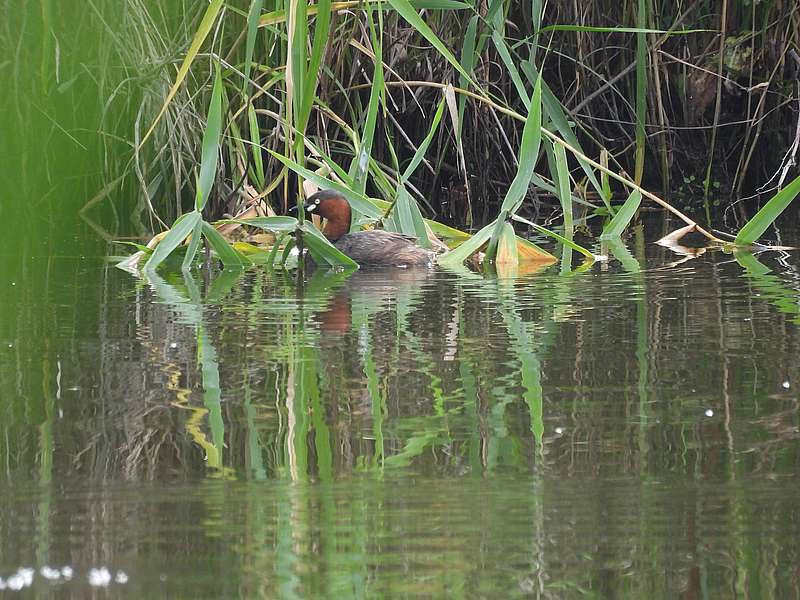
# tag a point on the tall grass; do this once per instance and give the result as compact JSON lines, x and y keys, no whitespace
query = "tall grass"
{"x":343,"y":94}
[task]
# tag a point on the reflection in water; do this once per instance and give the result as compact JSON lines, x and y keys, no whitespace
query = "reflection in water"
{"x":626,"y":429}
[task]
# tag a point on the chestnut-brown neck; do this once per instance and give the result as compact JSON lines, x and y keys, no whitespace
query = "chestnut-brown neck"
{"x":337,"y":212}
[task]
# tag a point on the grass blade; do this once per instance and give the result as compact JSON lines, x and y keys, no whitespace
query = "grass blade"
{"x":468,"y":248}
{"x":229,"y":257}
{"x":202,"y":32}
{"x":620,"y":221}
{"x":279,"y":16}
{"x":564,"y":187}
{"x":322,"y":27}
{"x":255,"y":138}
{"x":183,"y":226}
{"x":423,"y":147}
{"x":552,"y":108}
{"x":358,"y":202}
{"x":765,"y":217}
{"x":641,"y":90}
{"x":322,"y":251}
{"x":555,"y":236}
{"x":253,"y":17}
{"x":511,"y":67}
{"x":210,"y":156}
{"x":194,"y":245}
{"x":528,"y":153}
{"x":408,"y":217}
{"x":360,"y":165}
{"x":468,"y":61}
{"x":409,"y":13}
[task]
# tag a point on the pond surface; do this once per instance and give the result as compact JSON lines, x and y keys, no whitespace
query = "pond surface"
{"x":624,"y":430}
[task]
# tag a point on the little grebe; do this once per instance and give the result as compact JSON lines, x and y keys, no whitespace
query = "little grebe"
{"x":374,"y":247}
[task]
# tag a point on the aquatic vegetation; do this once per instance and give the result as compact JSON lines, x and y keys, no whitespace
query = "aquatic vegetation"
{"x":283,"y":101}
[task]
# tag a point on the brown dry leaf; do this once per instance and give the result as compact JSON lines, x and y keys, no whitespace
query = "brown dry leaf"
{"x":531,"y":255}
{"x":262,"y":239}
{"x":507,"y":254}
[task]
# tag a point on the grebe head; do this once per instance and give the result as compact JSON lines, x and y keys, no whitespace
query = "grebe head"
{"x":331,"y":205}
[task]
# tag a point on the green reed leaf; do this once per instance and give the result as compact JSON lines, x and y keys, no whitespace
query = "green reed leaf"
{"x":409,"y":13}
{"x":272,"y":224}
{"x":564,"y":187}
{"x":765,"y":217}
{"x":555,"y":236}
{"x":253,"y":17}
{"x":468,"y":248}
{"x":554,"y":111}
{"x":227,"y":254}
{"x":423,"y":147}
{"x":183,"y":226}
{"x":623,"y":217}
{"x":641,"y":90}
{"x":194,"y":245}
{"x":358,"y":202}
{"x":199,"y":37}
{"x":210,"y":155}
{"x":255,"y":148}
{"x":322,"y":251}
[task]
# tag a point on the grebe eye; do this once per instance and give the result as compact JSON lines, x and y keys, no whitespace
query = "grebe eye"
{"x":316,"y":201}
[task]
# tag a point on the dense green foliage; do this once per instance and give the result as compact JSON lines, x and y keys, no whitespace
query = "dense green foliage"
{"x":353,"y":89}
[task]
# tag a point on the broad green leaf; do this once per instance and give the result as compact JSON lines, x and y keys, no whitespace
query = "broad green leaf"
{"x":183,"y":226}
{"x":322,"y":251}
{"x":765,"y":217}
{"x":210,"y":157}
{"x":468,"y":248}
{"x":202,"y":32}
{"x":229,"y":257}
{"x":280,"y":223}
{"x":194,"y":244}
{"x":528,"y":153}
{"x":409,"y":218}
{"x":511,"y":68}
{"x":623,"y":217}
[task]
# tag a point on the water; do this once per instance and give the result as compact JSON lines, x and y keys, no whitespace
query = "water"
{"x":628,"y":429}
{"x":600,"y":433}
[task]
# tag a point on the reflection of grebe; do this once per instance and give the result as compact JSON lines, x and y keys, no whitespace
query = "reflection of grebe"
{"x":372,"y":291}
{"x":375,"y":247}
